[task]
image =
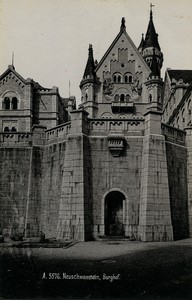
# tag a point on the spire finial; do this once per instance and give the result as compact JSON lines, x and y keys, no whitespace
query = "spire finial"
{"x":123,"y":23}
{"x":90,"y":50}
{"x":13,"y":59}
{"x":151,"y":10}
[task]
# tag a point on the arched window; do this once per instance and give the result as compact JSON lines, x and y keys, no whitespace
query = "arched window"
{"x":14,"y":103}
{"x":6,"y":129}
{"x":127,"y":97}
{"x":13,"y":129}
{"x":116,"y":98}
{"x":122,"y":98}
{"x":114,"y":78}
{"x":86,"y":97}
{"x":119,"y":78}
{"x":128,"y":78}
{"x":7,"y":103}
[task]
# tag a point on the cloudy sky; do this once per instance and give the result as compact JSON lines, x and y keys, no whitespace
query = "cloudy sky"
{"x":50,"y":38}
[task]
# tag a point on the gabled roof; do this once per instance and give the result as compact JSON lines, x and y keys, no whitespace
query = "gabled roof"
{"x":122,"y":31}
{"x":185,"y":75}
{"x":12,"y":69}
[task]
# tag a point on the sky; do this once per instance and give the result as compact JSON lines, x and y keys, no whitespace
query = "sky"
{"x":50,"y":38}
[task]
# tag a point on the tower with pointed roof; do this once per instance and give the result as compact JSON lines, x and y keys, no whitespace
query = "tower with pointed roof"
{"x":88,"y":85}
{"x":149,"y":46}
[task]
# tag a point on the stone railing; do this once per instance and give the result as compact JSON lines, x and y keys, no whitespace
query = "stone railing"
{"x":134,"y":126}
{"x":13,"y":138}
{"x":173,"y":135}
{"x":58,"y":133}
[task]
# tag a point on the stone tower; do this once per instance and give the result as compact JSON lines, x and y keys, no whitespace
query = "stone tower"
{"x":149,"y":47}
{"x":88,"y":85}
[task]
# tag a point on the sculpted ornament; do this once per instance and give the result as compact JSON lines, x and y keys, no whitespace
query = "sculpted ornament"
{"x":137,"y":86}
{"x":107,"y":86}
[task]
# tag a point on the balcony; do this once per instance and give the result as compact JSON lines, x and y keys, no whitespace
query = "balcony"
{"x":122,"y":106}
{"x":116,"y":145}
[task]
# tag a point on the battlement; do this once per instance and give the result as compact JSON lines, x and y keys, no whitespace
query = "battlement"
{"x":173,"y":135}
{"x":134,"y":126}
{"x":58,"y":133}
{"x":16,"y":139}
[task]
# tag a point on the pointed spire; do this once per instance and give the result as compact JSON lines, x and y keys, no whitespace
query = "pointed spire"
{"x":90,"y":66}
{"x":154,"y":65}
{"x":151,"y":10}
{"x":13,"y":58}
{"x":141,"y":45}
{"x":123,"y":27}
{"x":151,"y":38}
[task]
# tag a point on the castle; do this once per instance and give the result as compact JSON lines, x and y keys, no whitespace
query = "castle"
{"x":119,"y":165}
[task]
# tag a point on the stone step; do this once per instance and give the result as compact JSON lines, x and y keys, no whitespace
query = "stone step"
{"x":105,"y":238}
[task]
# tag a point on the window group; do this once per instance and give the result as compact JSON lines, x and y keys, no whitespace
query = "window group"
{"x":10,"y":103}
{"x":119,"y":78}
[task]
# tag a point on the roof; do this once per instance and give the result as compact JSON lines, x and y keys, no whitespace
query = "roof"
{"x":90,"y":66}
{"x":12,"y":69}
{"x":151,"y":38}
{"x":142,"y":43}
{"x":122,"y":31}
{"x":185,"y":75}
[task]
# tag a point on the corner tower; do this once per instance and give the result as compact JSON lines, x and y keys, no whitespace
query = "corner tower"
{"x":149,"y":47}
{"x":88,"y":86}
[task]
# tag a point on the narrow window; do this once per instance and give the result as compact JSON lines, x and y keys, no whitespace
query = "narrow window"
{"x":7,"y":103}
{"x":14,"y":103}
{"x":127,"y":98}
{"x":130,"y":79}
{"x":6,"y":129}
{"x":116,"y":98}
{"x":13,"y":129}
{"x":114,"y":78}
{"x":150,"y":98}
{"x":126,"y":78}
{"x":122,"y":98}
{"x":119,"y":78}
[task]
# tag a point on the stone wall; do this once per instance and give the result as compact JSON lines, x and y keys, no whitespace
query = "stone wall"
{"x":116,"y":174}
{"x":14,"y":185}
{"x":177,"y":177}
{"x":52,"y":172}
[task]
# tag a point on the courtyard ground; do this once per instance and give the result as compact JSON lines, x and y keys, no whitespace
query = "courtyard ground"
{"x":98,"y":270}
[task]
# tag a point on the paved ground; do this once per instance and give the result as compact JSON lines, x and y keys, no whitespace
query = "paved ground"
{"x":95,"y":270}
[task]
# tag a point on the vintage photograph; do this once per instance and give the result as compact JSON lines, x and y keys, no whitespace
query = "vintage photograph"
{"x":96,"y":149}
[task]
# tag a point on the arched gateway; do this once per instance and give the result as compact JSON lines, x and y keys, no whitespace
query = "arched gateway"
{"x":114,"y":214}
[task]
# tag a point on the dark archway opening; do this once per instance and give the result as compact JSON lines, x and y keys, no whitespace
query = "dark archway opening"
{"x":114,"y":214}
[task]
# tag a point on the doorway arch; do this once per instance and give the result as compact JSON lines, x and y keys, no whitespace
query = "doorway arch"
{"x":114,"y":214}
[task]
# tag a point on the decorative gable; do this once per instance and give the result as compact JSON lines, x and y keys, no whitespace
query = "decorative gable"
{"x":122,"y":72}
{"x":10,"y":75}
